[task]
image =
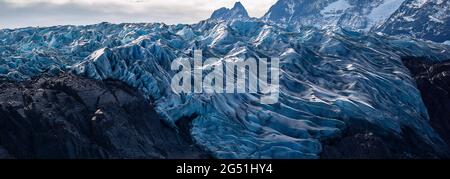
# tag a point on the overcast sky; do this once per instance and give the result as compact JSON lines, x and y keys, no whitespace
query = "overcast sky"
{"x":24,"y":13}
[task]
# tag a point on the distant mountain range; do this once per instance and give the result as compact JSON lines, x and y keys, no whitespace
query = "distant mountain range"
{"x":354,"y":14}
{"x":425,"y":19}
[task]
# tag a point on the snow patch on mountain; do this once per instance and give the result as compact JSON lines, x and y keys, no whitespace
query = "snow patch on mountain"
{"x":337,"y":7}
{"x":352,"y":14}
{"x":382,"y":12}
{"x":418,"y":3}
{"x":425,"y":19}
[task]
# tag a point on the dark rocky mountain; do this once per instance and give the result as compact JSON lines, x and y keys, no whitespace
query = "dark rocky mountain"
{"x":362,"y":141}
{"x":73,"y":117}
{"x":433,"y":81}
{"x":424,"y":19}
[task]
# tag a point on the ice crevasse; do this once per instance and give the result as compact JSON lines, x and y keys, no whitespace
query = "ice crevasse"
{"x":329,"y":79}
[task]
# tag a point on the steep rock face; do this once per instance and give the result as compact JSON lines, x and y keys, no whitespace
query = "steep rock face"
{"x":365,"y":141}
{"x":425,"y":19}
{"x":72,"y":117}
{"x":4,"y":154}
{"x":433,"y":81}
{"x":237,"y":12}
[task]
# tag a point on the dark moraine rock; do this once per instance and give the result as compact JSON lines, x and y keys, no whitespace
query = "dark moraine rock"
{"x":72,"y":117}
{"x":433,"y":81}
{"x":364,"y":141}
{"x":4,"y":154}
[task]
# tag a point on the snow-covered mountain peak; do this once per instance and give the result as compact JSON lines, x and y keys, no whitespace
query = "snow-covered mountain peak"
{"x":238,"y":5}
{"x":237,"y":12}
{"x":353,"y":14}
{"x":425,"y":19}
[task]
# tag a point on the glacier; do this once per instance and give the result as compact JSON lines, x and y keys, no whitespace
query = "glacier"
{"x":330,"y":79}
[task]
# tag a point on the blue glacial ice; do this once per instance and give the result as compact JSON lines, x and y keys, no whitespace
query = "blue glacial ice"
{"x":329,"y":79}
